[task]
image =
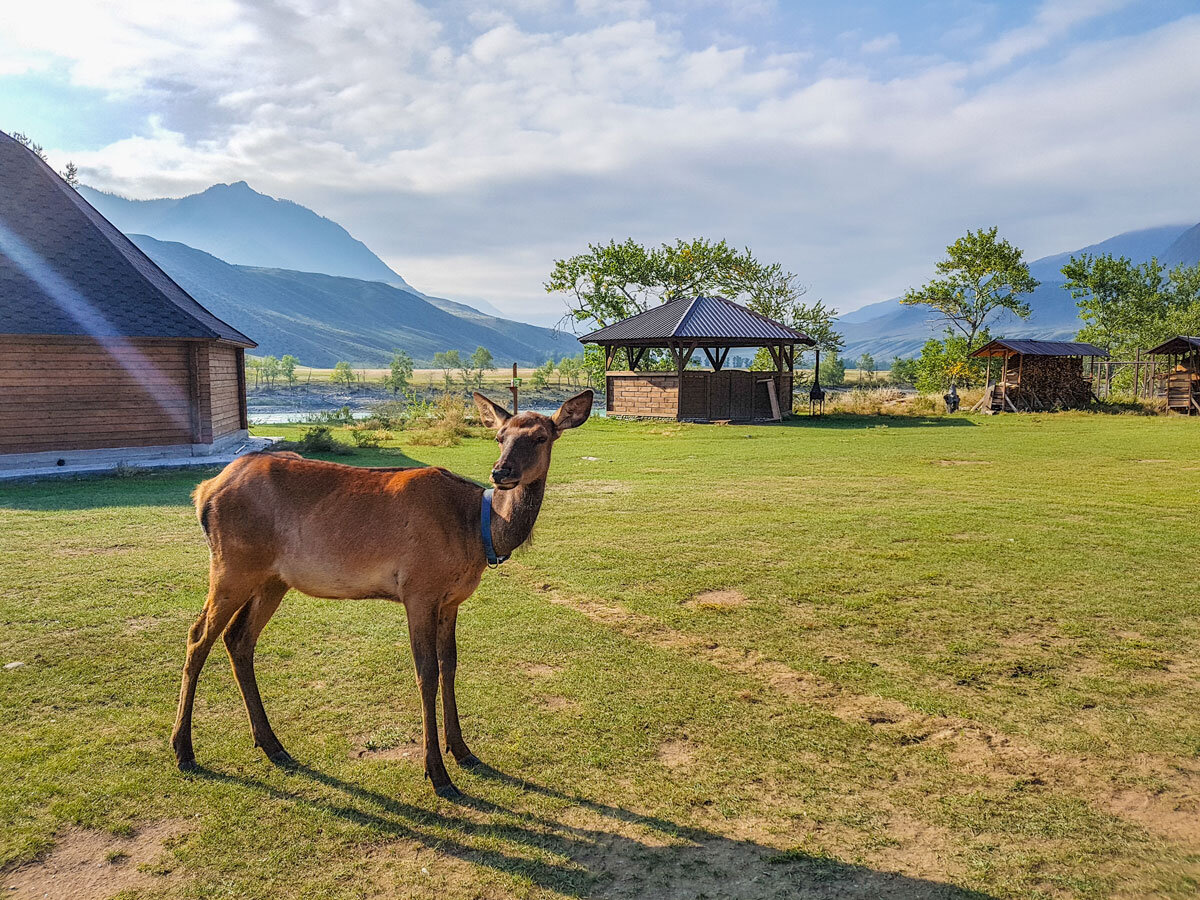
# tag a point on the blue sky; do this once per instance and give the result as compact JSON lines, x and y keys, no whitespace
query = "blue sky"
{"x":470,"y":144}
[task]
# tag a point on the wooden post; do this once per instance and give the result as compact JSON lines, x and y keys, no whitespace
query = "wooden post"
{"x":514,"y":388}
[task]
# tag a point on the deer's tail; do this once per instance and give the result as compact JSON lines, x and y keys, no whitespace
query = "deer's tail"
{"x":201,"y":497}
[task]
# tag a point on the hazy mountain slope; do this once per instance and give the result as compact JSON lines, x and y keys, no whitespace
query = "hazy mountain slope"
{"x":241,"y":226}
{"x":322,"y":319}
{"x":888,"y":328}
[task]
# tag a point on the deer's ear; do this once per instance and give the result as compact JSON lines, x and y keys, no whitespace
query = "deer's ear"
{"x":574,"y":412}
{"x":490,"y":414}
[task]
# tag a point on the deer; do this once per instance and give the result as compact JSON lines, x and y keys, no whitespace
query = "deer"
{"x":419,"y":536}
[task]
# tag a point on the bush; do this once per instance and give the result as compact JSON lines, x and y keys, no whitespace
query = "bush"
{"x":447,"y":426}
{"x":367,"y":437}
{"x":318,"y":439}
{"x":341,"y":416}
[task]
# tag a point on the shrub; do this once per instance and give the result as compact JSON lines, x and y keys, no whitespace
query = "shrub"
{"x":341,"y":416}
{"x":318,"y":439}
{"x":448,"y":425}
{"x":367,"y":437}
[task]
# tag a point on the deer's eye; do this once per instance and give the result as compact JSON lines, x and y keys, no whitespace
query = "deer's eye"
{"x":499,"y":440}
{"x":541,"y":439}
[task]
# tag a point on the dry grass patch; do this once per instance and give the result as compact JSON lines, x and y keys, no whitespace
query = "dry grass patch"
{"x":725,"y":598}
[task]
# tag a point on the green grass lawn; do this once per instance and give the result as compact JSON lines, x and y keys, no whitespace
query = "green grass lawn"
{"x":954,"y":657}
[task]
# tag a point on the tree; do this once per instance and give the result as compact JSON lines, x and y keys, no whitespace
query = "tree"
{"x":342,"y":374}
{"x":30,"y":143}
{"x":833,"y":371}
{"x":270,"y":369}
{"x":982,"y":275}
{"x":400,"y":372}
{"x":481,"y":361}
{"x":947,"y":362}
{"x":70,"y":174}
{"x":613,"y":281}
{"x":448,"y":361}
{"x":904,"y":371}
{"x":253,"y":368}
{"x":1123,"y":306}
{"x":541,"y":375}
{"x":287,"y":368}
{"x":866,"y":364}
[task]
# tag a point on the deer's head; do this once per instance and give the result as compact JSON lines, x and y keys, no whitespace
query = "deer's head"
{"x":525,"y":439}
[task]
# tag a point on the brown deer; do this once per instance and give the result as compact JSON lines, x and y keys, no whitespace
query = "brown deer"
{"x":276,"y":521}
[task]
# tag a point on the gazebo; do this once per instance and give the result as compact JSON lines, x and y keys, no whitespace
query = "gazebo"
{"x":713,"y":326}
{"x":1037,"y":375}
{"x":1182,"y":378}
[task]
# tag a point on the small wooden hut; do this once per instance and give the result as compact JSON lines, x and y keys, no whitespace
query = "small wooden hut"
{"x":1182,"y":378}
{"x":713,"y":326}
{"x":99,"y":348}
{"x":1038,"y":375}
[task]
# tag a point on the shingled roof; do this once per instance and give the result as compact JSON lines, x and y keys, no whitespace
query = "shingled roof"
{"x":66,"y":270}
{"x":700,"y":320}
{"x":1031,"y":347}
{"x":1177,"y":345}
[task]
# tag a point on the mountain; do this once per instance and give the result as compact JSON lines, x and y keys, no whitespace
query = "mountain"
{"x":241,"y":226}
{"x":322,"y":319}
{"x":888,"y":328}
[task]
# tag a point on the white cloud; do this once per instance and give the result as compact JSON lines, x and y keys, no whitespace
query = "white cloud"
{"x":469,"y":156}
{"x":881,"y":43}
{"x":1053,"y":20}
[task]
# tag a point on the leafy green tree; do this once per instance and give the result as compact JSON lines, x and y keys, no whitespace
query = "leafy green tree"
{"x":541,"y":375}
{"x":287,"y":368}
{"x":572,"y":369}
{"x":448,"y":361}
{"x":253,"y":369}
{"x":904,"y":371}
{"x":833,"y":371}
{"x":71,"y":174}
{"x":1123,"y":305}
{"x":947,"y":362}
{"x":270,"y":369}
{"x":981,"y":275}
{"x":400,"y":372}
{"x":342,"y":374}
{"x":866,"y":366}
{"x":612,"y":281}
{"x":481,"y":361}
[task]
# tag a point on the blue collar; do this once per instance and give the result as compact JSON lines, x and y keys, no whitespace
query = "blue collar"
{"x":485,"y":531}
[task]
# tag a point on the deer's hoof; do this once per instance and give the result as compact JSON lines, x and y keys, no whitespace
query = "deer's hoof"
{"x":448,"y":792}
{"x":186,"y":764}
{"x":470,"y":761}
{"x":282,"y":758}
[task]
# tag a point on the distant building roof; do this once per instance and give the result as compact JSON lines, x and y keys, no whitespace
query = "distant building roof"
{"x":700,"y":319}
{"x":1181,"y":344}
{"x":1030,"y":347}
{"x":66,"y":270}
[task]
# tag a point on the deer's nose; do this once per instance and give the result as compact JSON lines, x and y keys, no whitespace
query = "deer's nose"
{"x":502,"y":473}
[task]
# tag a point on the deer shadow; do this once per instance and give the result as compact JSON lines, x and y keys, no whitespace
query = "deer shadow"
{"x":642,"y":855}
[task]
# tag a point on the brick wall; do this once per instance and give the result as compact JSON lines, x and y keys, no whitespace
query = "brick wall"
{"x":644,"y":394}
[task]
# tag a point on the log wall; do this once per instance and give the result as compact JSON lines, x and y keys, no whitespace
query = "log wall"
{"x":69,"y":393}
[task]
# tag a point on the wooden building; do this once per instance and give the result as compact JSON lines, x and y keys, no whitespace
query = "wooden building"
{"x":1038,"y":375}
{"x":1181,"y":380}
{"x":99,"y":348}
{"x":709,"y":325}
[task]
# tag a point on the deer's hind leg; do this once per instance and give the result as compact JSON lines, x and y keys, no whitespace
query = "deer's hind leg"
{"x":241,"y":637}
{"x":225,"y":597}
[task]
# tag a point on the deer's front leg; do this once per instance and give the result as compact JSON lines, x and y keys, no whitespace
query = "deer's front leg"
{"x":447,"y":651}
{"x":422,"y":631}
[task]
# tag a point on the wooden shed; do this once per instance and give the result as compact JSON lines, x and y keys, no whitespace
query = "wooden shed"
{"x":713,"y":326}
{"x":99,"y":348}
{"x":1038,"y":375}
{"x":1181,"y":380}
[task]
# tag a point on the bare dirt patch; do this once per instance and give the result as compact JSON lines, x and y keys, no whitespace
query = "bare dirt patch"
{"x":409,"y":751}
{"x":725,"y":598}
{"x":677,"y":754}
{"x":86,"y":864}
{"x":538,"y":670}
{"x":556,"y":704}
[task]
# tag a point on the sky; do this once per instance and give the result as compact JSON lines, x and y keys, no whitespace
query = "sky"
{"x":471,"y":144}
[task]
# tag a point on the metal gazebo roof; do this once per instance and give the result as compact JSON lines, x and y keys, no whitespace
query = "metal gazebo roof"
{"x":1180,"y":344}
{"x":708,"y":320}
{"x":1030,"y":347}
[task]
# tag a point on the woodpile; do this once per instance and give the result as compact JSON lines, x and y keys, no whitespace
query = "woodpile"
{"x":1048,"y":382}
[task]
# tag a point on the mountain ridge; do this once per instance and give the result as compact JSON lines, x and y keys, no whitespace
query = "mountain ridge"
{"x":323,"y":319}
{"x":888,"y":328}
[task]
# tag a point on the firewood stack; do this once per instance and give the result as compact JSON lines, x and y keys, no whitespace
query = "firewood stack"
{"x":1048,"y":382}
